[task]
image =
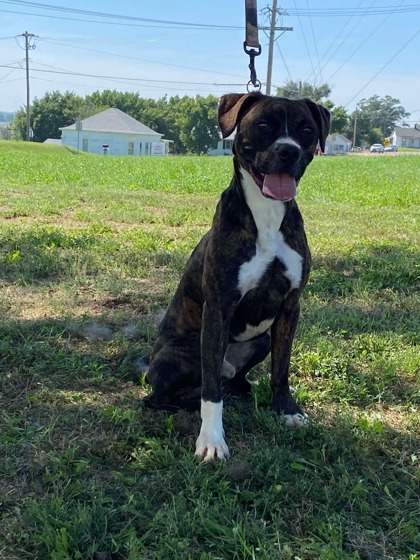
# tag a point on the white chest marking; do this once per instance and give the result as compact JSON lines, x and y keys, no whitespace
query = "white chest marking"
{"x":268,"y":215}
{"x":252,"y":331}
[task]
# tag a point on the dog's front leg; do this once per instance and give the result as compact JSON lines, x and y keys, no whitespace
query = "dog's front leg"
{"x":283,"y":331}
{"x":211,"y":442}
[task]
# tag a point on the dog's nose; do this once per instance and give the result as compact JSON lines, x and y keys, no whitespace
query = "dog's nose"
{"x":288,"y":153}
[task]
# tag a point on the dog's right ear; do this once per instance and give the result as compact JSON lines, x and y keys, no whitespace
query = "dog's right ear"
{"x":232,"y":106}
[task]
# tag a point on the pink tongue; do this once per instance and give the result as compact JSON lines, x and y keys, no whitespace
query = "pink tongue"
{"x":280,"y":186}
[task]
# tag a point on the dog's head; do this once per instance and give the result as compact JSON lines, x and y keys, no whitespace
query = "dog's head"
{"x":276,"y":138}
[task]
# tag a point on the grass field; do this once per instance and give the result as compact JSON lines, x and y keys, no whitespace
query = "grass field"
{"x":91,"y":248}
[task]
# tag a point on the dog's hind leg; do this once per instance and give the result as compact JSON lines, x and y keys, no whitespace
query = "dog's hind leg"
{"x":240,"y":358}
{"x":175,"y":375}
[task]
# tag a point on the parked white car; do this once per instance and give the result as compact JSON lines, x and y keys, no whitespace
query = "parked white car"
{"x":377,"y":148}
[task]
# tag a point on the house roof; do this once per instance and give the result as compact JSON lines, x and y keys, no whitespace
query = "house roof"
{"x":112,"y":120}
{"x":55,"y":141}
{"x":407,"y":132}
{"x":337,"y":136}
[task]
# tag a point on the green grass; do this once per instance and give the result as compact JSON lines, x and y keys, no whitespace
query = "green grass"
{"x":90,"y":249}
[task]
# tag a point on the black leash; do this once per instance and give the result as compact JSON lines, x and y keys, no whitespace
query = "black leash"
{"x":252,"y":46}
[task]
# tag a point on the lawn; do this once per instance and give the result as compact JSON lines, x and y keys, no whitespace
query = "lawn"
{"x":91,"y":249}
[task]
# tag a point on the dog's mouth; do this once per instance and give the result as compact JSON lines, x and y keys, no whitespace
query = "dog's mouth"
{"x":279,"y":186}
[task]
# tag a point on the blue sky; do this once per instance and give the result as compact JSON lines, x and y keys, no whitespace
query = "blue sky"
{"x":360,"y":48}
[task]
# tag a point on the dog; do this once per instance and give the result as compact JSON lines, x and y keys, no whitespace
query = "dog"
{"x":238,"y":298}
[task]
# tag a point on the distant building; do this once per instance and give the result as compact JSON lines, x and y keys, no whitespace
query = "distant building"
{"x":224,"y":146}
{"x":337,"y":144}
{"x":404,"y":137}
{"x":114,"y":132}
{"x":53,"y":141}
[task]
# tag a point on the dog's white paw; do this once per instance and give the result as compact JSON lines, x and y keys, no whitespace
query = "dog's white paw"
{"x":296,"y":420}
{"x":211,"y":441}
{"x":210,"y":448}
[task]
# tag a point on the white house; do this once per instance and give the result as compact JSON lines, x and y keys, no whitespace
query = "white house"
{"x":114,"y":132}
{"x":337,"y":144}
{"x":224,"y":146}
{"x":53,"y":141}
{"x":405,"y":137}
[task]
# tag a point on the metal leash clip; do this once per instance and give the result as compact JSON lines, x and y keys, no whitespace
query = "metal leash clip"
{"x":252,"y":46}
{"x":253,"y":73}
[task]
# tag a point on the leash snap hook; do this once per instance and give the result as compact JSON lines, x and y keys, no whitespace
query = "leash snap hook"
{"x":252,"y":53}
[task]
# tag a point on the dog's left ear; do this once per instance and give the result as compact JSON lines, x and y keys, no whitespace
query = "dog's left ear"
{"x":232,"y":106}
{"x":323,"y":120}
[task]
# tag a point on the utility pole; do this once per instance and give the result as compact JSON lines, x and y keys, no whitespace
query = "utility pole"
{"x":354,"y":128}
{"x":271,"y":47}
{"x":272,"y":13}
{"x":28,"y":46}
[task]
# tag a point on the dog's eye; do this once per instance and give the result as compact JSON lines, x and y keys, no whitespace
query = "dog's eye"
{"x":264,"y":125}
{"x":307,"y":130}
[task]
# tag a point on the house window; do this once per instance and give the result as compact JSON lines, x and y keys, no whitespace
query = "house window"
{"x":140,"y":148}
{"x":131,"y":148}
{"x":404,"y":142}
{"x":85,"y":145}
{"x":147,"y":149}
{"x":227,"y":144}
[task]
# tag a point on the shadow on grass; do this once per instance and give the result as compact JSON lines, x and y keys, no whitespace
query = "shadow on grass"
{"x":49,"y":254}
{"x":367,"y":270}
{"x":63,"y":355}
{"x":86,"y":469}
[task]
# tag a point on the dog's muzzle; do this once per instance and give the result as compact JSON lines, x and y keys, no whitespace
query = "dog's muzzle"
{"x":277,"y":171}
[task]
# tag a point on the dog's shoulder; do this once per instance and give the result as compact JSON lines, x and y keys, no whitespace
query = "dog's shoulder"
{"x":233,"y":215}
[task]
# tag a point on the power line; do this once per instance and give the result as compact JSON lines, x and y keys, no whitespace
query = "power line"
{"x":361,"y":44}
{"x":343,"y":41}
{"x":352,"y":12}
{"x":143,"y":86}
{"x":107,"y":15}
{"x":122,"y":81}
{"x":300,"y":12}
{"x":2,"y":79}
{"x":331,"y":46}
{"x":114,"y":23}
{"x":315,"y":43}
{"x":306,"y":43}
{"x":384,"y":66}
{"x":130,"y":79}
{"x":284,"y":62}
{"x":136,"y":58}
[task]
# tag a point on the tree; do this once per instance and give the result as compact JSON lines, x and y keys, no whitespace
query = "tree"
{"x":340,"y":121}
{"x":197,"y":122}
{"x":160,"y":115}
{"x":127,"y":101}
{"x":297,"y":90}
{"x":378,"y":113}
{"x":375,"y":136}
{"x":48,"y":114}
